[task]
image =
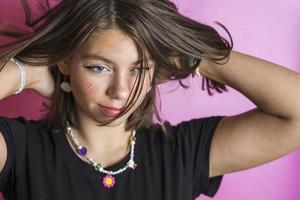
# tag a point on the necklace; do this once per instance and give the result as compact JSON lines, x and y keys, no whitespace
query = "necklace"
{"x":109,"y":180}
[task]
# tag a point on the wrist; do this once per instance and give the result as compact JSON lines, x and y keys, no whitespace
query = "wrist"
{"x":24,"y":75}
{"x":210,"y":70}
{"x":32,"y":76}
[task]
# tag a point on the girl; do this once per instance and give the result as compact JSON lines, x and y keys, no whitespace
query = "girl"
{"x":98,"y":141}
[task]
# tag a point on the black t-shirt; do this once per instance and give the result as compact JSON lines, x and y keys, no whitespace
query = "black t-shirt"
{"x":41,"y":165}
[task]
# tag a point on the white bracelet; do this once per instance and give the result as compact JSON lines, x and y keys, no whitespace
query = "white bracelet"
{"x":23,"y":75}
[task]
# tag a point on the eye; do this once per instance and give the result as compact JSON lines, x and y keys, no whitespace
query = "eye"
{"x":139,"y":69}
{"x":98,"y":68}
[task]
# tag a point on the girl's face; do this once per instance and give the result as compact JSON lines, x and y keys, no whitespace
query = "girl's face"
{"x":102,"y":74}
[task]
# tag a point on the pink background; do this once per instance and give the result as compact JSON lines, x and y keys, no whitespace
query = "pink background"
{"x":266,"y":29}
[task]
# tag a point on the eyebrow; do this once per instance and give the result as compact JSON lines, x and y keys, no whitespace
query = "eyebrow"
{"x":99,"y":57}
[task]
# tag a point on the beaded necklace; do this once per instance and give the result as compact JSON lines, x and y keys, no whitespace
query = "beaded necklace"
{"x":109,"y":180}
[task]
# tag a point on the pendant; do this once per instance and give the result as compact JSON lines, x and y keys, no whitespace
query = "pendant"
{"x":109,"y":181}
{"x":131,"y":164}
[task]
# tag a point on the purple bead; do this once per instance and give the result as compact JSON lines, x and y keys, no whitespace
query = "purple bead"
{"x":81,"y":151}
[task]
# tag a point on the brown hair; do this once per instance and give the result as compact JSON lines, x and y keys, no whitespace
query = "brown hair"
{"x":157,"y":29}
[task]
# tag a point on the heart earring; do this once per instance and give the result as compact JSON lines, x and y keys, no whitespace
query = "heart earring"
{"x":65,"y":85}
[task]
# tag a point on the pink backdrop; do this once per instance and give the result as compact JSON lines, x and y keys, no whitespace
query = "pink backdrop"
{"x":266,"y":29}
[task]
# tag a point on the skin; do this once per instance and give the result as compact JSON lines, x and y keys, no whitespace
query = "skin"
{"x":240,"y":142}
{"x":109,"y":84}
{"x":89,"y":85}
{"x":265,"y":133}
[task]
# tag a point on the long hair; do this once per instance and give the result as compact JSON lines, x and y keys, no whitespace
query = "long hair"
{"x":176,"y":43}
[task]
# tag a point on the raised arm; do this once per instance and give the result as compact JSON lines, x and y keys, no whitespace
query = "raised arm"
{"x":38,"y":78}
{"x":9,"y":83}
{"x":265,"y":133}
{"x":3,"y":152}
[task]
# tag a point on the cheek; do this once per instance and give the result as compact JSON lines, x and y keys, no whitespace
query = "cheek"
{"x":84,"y":88}
{"x":89,"y":85}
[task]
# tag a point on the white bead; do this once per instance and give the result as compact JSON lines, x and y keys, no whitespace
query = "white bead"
{"x":130,"y":163}
{"x":23,"y":74}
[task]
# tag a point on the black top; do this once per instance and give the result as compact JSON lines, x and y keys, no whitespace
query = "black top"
{"x":41,"y":165}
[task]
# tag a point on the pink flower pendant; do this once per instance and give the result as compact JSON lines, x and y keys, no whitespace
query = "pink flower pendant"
{"x":109,"y":181}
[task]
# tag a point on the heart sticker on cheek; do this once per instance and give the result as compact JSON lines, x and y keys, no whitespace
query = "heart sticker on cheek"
{"x":89,"y":84}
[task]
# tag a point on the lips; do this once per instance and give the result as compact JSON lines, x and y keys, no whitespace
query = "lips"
{"x":110,"y":111}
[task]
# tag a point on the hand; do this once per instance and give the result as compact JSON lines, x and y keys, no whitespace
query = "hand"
{"x":40,"y":80}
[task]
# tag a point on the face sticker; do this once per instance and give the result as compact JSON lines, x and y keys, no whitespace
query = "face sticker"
{"x":89,"y":84}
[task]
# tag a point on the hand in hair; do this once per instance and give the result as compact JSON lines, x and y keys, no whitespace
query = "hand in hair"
{"x":38,"y":78}
{"x":42,"y":81}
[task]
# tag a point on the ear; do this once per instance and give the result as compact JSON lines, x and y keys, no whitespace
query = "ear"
{"x":64,"y":67}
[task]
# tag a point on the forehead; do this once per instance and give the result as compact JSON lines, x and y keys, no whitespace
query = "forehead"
{"x":112,"y":44}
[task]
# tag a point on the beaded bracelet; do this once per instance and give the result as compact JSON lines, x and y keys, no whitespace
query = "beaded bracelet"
{"x":23,"y":74}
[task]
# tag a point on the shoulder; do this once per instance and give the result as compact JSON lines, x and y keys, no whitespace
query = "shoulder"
{"x":18,"y":122}
{"x":17,"y":131}
{"x":187,"y":132}
{"x":28,"y":145}
{"x":16,"y":127}
{"x":204,"y":125}
{"x":198,"y":123}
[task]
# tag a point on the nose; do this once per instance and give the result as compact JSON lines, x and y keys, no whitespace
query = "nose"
{"x":119,"y":87}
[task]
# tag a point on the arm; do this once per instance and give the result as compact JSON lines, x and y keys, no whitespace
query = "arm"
{"x":261,"y":135}
{"x":10,"y":81}
{"x":38,"y":78}
{"x":3,"y":152}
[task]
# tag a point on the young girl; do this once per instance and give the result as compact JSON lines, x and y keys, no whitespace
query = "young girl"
{"x":98,"y":141}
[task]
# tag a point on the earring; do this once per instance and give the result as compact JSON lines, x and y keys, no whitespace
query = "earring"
{"x":65,"y":86}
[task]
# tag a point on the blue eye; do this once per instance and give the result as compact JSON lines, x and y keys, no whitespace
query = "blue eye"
{"x":101,"y":68}
{"x":140,"y":69}
{"x":136,"y":69}
{"x":97,"y":68}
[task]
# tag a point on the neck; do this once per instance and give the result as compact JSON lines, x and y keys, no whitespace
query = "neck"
{"x":100,"y":138}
